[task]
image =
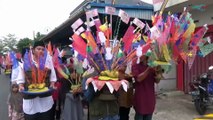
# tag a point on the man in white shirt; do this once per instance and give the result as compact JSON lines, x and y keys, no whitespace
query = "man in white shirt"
{"x":36,"y":107}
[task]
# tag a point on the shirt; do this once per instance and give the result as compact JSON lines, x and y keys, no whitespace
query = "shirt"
{"x":35,"y":105}
{"x":144,"y":97}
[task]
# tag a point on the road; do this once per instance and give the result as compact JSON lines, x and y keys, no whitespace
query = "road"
{"x":4,"y":91}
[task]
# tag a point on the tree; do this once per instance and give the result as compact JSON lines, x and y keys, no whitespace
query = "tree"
{"x":1,"y":47}
{"x":38,"y":36}
{"x":9,"y":43}
{"x":23,"y":43}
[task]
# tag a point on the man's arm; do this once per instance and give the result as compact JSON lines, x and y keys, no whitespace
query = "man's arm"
{"x":143,"y":75}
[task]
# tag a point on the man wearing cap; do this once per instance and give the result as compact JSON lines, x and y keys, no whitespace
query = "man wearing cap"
{"x":37,"y":107}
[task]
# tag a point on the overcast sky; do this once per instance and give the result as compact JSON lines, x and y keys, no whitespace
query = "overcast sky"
{"x":22,"y":17}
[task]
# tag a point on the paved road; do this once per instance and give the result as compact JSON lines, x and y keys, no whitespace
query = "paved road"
{"x":4,"y":91}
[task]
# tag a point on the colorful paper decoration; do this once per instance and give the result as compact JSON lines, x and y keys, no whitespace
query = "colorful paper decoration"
{"x":205,"y":50}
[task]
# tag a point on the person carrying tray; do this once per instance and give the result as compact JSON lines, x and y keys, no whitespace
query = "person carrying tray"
{"x":35,"y":76}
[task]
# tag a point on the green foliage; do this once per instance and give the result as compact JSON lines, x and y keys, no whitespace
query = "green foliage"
{"x":23,"y":43}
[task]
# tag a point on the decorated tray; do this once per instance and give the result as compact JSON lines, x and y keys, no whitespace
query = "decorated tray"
{"x":37,"y":91}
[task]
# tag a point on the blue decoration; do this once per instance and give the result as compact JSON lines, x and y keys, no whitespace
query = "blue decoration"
{"x":27,"y":61}
{"x":42,"y":60}
{"x":14,"y":60}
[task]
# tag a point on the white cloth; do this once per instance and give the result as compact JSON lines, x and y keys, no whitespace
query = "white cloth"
{"x":17,"y":74}
{"x":36,"y":105}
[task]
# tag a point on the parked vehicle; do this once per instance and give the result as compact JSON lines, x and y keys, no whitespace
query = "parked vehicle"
{"x":201,"y":90}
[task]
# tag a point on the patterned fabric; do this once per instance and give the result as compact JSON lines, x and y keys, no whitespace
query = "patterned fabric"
{"x":13,"y":115}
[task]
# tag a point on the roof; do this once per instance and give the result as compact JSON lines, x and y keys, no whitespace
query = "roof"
{"x":62,"y":33}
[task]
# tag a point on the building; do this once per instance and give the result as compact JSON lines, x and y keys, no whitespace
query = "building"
{"x":60,"y":35}
{"x":180,"y":76}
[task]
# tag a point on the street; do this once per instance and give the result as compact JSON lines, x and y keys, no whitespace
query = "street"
{"x":4,"y":91}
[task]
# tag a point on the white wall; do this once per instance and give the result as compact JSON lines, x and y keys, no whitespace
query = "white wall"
{"x":204,"y":17}
{"x":170,"y":81}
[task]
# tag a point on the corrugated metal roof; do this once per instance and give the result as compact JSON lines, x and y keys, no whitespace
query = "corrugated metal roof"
{"x":63,"y":31}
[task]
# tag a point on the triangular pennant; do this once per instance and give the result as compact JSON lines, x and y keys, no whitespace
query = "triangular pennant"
{"x":191,"y":57}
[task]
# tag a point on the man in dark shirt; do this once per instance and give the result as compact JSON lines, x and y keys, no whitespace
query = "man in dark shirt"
{"x":144,"y":97}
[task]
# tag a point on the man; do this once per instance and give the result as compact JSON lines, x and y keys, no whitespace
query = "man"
{"x":36,"y":107}
{"x":125,"y":99}
{"x":144,"y":97}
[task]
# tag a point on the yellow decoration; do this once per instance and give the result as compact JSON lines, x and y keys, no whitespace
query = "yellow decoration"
{"x":166,"y":53}
{"x":36,"y":86}
{"x":108,"y":73}
{"x":38,"y":90}
{"x":189,"y":31}
{"x":190,"y":54}
{"x":103,"y":27}
{"x":106,"y":78}
{"x":145,"y":38}
{"x":161,"y":63}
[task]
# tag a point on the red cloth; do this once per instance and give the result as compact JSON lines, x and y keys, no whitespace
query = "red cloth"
{"x":116,"y":84}
{"x":55,"y":94}
{"x":144,"y":97}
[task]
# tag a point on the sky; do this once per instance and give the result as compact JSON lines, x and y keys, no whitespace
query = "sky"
{"x":25,"y":17}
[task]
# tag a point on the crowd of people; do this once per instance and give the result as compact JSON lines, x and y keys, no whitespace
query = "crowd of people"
{"x":66,"y":103}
